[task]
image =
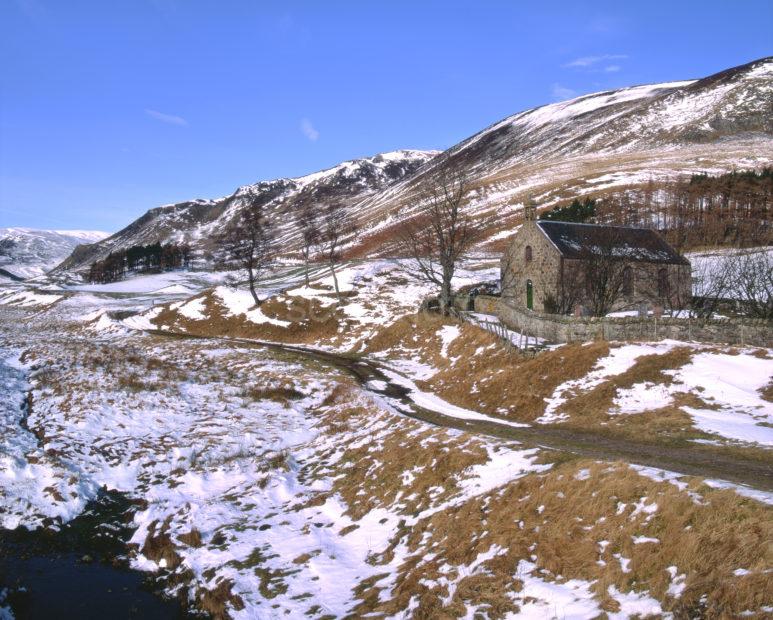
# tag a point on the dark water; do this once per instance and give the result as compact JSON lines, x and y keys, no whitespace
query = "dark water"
{"x":80,"y":572}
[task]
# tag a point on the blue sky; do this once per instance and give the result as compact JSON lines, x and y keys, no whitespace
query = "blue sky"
{"x":108,"y":109}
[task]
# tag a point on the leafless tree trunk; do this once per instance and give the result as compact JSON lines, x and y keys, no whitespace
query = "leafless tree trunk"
{"x":751,"y":275}
{"x":308,"y":223}
{"x":712,"y":286}
{"x":336,"y":225}
{"x":440,"y":235}
{"x":249,"y":243}
{"x":605,"y":267}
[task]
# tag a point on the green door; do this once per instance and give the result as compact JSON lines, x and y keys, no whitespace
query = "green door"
{"x":529,"y":295}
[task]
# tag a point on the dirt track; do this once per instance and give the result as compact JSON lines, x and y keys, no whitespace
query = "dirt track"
{"x":693,"y":459}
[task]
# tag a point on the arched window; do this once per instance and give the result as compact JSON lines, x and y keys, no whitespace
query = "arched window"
{"x":527,"y":254}
{"x":664,"y":288}
{"x":628,"y":281}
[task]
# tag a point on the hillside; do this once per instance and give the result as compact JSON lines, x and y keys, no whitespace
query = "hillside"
{"x":195,"y":221}
{"x":26,"y":252}
{"x":594,"y":144}
{"x":602,"y":143}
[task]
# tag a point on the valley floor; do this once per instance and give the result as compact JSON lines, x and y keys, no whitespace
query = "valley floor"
{"x":264,"y":482}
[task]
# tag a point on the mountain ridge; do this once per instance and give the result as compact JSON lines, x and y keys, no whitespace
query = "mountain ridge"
{"x":592,"y":144}
{"x":30,"y":252}
{"x":194,"y":221}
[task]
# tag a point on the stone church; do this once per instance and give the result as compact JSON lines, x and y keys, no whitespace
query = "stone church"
{"x":566,"y":267}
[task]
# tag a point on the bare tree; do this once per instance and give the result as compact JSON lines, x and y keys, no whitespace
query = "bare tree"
{"x":336,"y":226}
{"x":440,"y":235}
{"x":742,"y":280}
{"x":307,"y":219}
{"x":711,"y":283}
{"x":607,"y":265}
{"x":569,"y":292}
{"x":751,"y":274}
{"x":249,"y":242}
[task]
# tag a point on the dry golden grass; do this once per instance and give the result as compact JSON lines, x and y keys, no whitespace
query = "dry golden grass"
{"x":557,"y":521}
{"x":159,"y":545}
{"x":514,"y":386}
{"x":191,"y":539}
{"x":310,"y":320}
{"x":375,"y":469}
{"x":479,"y":373}
{"x":767,"y":392}
{"x":590,"y":408}
{"x":279,"y":393}
{"x":416,"y":334}
{"x":554,"y":517}
{"x":485,"y":376}
{"x":216,"y":601}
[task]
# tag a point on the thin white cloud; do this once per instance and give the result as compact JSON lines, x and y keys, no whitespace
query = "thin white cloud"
{"x":170,"y":119}
{"x":32,"y":9}
{"x":605,"y":24}
{"x":308,"y":130}
{"x":588,"y":61}
{"x":562,"y":92}
{"x":612,"y":69}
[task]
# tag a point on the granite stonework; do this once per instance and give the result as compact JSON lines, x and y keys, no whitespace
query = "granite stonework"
{"x":533,"y":262}
{"x":562,"y":328}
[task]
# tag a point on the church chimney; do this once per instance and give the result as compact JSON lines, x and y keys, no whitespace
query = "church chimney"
{"x":530,"y":210}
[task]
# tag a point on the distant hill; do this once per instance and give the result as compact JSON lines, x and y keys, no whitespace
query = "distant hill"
{"x":603,"y":143}
{"x":595,"y":145}
{"x":195,"y":221}
{"x":27,"y":252}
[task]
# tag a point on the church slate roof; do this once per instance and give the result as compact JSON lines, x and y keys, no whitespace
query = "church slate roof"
{"x":575,"y":240}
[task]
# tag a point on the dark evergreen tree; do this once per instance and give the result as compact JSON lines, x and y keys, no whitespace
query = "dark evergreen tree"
{"x":577,"y":211}
{"x":136,"y":259}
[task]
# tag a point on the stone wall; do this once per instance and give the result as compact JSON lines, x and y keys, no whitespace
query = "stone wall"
{"x":486,"y":304}
{"x":560,"y":328}
{"x":462,"y":302}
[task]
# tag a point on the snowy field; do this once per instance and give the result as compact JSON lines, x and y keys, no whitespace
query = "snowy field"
{"x":272,"y":486}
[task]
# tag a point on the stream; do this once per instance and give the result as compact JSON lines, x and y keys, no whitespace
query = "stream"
{"x":78,"y":570}
{"x":81,"y":571}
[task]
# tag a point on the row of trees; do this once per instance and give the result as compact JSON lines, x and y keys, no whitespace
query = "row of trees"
{"x":251,"y":241}
{"x":441,"y":233}
{"x":151,"y":258}
{"x":732,"y":209}
{"x":438,"y":236}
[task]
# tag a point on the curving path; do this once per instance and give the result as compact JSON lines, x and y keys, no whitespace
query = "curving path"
{"x":694,"y":460}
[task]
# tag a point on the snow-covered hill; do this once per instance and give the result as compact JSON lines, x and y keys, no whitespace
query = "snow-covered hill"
{"x":27,"y":252}
{"x":604,"y":142}
{"x":591,"y":145}
{"x":196,"y":221}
